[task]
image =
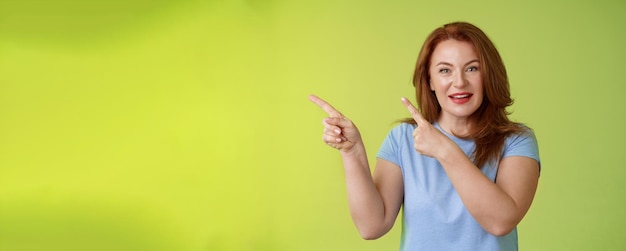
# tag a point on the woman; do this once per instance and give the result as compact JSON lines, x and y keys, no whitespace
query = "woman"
{"x":465,"y":174}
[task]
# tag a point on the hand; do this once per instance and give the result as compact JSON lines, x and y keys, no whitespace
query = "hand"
{"x":428,"y":140}
{"x":339,"y":132}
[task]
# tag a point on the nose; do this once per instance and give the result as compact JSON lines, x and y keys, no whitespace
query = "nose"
{"x":459,"y":80}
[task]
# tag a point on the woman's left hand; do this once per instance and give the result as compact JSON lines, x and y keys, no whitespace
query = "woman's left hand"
{"x":428,"y":140}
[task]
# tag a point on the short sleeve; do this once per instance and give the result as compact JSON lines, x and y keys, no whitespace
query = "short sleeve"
{"x":523,"y":144}
{"x":390,"y":148}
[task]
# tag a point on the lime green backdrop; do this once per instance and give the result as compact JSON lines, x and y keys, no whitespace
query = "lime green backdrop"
{"x":185,"y":125}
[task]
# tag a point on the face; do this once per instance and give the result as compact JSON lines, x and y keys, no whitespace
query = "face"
{"x":456,"y":79}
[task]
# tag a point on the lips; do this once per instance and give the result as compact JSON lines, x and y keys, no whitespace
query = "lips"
{"x":460,"y":98}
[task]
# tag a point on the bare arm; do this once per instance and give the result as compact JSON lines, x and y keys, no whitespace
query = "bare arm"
{"x":498,"y":207}
{"x":374,"y":201}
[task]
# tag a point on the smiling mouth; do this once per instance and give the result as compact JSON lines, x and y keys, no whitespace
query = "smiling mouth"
{"x":460,"y":96}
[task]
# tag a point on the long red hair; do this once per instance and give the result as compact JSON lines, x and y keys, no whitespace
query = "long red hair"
{"x":490,"y":124}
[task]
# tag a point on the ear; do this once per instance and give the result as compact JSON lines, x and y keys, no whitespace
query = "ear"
{"x":431,"y":85}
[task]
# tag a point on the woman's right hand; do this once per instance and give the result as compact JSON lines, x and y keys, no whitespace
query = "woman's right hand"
{"x":339,"y":132}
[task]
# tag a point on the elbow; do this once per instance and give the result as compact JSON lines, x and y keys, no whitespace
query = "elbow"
{"x":500,"y":229}
{"x":372,"y":229}
{"x":501,"y":226}
{"x":370,"y":235}
{"x":500,"y":232}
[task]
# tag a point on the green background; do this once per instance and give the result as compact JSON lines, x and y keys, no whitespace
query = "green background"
{"x":185,"y":125}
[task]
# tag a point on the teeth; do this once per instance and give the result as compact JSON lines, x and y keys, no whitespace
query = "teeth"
{"x":460,"y":96}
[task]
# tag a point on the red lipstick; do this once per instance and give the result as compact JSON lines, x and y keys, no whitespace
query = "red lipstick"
{"x":461,"y":97}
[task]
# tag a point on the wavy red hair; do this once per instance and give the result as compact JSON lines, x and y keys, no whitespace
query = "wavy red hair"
{"x":489,"y":125}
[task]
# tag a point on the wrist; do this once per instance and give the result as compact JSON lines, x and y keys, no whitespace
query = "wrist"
{"x":354,"y":151}
{"x":449,"y":152}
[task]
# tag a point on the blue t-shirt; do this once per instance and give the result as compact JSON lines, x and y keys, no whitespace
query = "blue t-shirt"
{"x":434,"y":215}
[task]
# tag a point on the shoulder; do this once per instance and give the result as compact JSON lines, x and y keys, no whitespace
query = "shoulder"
{"x":404,"y":127}
{"x":395,"y":144}
{"x":399,"y":135}
{"x":522,"y":143}
{"x":401,"y":130}
{"x":524,"y":134}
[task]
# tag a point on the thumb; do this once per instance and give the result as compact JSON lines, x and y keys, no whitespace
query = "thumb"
{"x":417,"y":116}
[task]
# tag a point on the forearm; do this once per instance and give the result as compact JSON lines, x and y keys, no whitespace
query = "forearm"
{"x":366,"y":202}
{"x":364,"y":199}
{"x":494,"y":209}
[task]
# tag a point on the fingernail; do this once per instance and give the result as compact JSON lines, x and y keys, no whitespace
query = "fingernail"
{"x":337,"y":131}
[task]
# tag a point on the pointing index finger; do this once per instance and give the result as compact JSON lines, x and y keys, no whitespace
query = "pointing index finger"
{"x":332,"y":112}
{"x":417,"y":116}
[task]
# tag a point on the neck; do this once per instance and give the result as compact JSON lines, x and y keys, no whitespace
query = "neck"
{"x":457,"y":127}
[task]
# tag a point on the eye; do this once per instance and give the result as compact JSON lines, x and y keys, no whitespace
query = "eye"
{"x":472,"y":68}
{"x":444,"y":70}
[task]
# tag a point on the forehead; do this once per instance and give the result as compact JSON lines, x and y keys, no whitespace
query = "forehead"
{"x":454,"y":51}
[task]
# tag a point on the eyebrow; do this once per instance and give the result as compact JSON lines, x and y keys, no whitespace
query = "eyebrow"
{"x":449,"y":64}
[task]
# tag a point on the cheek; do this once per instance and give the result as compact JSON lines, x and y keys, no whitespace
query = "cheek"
{"x":437,"y":85}
{"x":439,"y":90}
{"x":480,"y":87}
{"x":477,"y":81}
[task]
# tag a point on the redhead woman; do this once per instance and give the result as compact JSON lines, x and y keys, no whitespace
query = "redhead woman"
{"x":463,"y":172}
